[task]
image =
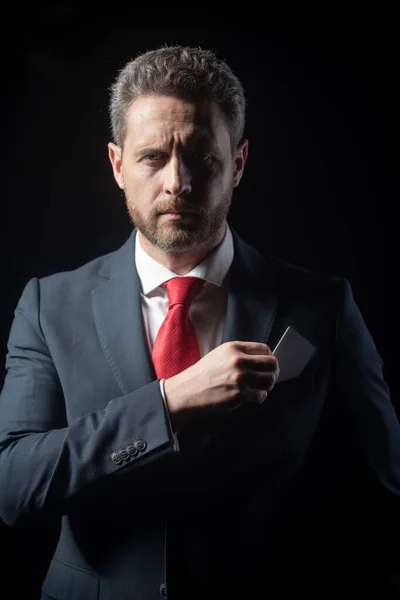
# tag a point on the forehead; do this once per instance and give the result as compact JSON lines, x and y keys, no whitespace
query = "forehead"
{"x":155,"y":119}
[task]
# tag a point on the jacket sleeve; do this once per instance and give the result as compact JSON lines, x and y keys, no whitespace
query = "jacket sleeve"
{"x":361,"y":381}
{"x":45,"y":462}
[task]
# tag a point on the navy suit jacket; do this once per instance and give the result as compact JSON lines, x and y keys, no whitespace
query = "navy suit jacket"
{"x":294,"y":495}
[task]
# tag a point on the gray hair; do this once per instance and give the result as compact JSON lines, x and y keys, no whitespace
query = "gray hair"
{"x":190,"y":73}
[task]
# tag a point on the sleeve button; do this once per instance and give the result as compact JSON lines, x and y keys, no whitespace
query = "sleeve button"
{"x":115,"y":457}
{"x":132,"y":450}
{"x":140,"y":445}
{"x":123,"y":454}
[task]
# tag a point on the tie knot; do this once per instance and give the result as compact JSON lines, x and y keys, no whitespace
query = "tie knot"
{"x":182,"y":290}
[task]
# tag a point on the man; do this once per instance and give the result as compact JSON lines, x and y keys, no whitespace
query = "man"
{"x":143,"y":404}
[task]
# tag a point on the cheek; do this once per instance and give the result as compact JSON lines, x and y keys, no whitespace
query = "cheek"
{"x":141,"y":187}
{"x":221,"y":183}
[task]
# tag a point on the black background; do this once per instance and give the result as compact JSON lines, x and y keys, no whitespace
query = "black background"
{"x":319,"y":185}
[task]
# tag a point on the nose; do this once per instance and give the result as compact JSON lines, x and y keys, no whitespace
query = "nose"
{"x":177,"y":180}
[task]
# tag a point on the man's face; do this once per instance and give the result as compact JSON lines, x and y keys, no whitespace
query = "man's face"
{"x":178,"y":171}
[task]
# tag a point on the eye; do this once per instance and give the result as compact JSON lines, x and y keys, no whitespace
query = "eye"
{"x":200,"y":158}
{"x":156,"y":156}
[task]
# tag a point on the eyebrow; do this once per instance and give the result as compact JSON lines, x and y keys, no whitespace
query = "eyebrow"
{"x":198,"y":137}
{"x":197,"y":140}
{"x":148,"y":149}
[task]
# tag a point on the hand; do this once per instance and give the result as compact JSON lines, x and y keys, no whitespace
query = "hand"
{"x":232,"y":374}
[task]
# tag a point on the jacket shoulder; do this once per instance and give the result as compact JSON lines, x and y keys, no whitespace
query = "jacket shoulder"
{"x":286,"y":272}
{"x":92,"y":272}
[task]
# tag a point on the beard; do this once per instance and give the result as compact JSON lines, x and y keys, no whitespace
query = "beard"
{"x":183,"y":235}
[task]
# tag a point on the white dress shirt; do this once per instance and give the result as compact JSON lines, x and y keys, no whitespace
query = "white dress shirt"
{"x":207,"y":311}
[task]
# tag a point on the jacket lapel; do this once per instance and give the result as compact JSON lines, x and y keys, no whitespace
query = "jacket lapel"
{"x":118,"y":316}
{"x":252,"y":296}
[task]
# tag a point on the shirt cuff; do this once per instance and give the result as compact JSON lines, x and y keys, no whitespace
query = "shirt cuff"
{"x":173,"y":436}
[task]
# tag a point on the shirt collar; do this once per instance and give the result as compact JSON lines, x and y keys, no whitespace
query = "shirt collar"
{"x":213,"y":269}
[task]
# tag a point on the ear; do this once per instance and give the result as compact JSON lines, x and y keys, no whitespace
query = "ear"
{"x":239,"y":160}
{"x":115,"y":156}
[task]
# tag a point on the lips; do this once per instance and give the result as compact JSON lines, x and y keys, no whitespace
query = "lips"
{"x":180,"y":212}
{"x":178,"y":216}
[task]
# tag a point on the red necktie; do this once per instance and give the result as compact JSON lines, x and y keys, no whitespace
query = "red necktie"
{"x":176,"y":347}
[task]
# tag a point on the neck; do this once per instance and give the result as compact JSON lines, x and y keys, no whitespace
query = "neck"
{"x":182,"y":263}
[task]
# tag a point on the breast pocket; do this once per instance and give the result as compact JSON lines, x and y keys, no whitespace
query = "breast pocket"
{"x":66,"y":582}
{"x":297,"y":386}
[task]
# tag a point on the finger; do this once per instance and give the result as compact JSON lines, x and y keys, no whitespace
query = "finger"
{"x":248,"y":395}
{"x":261,"y":397}
{"x":255,"y":396}
{"x":262,"y":363}
{"x":253,"y":348}
{"x":260,"y":381}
